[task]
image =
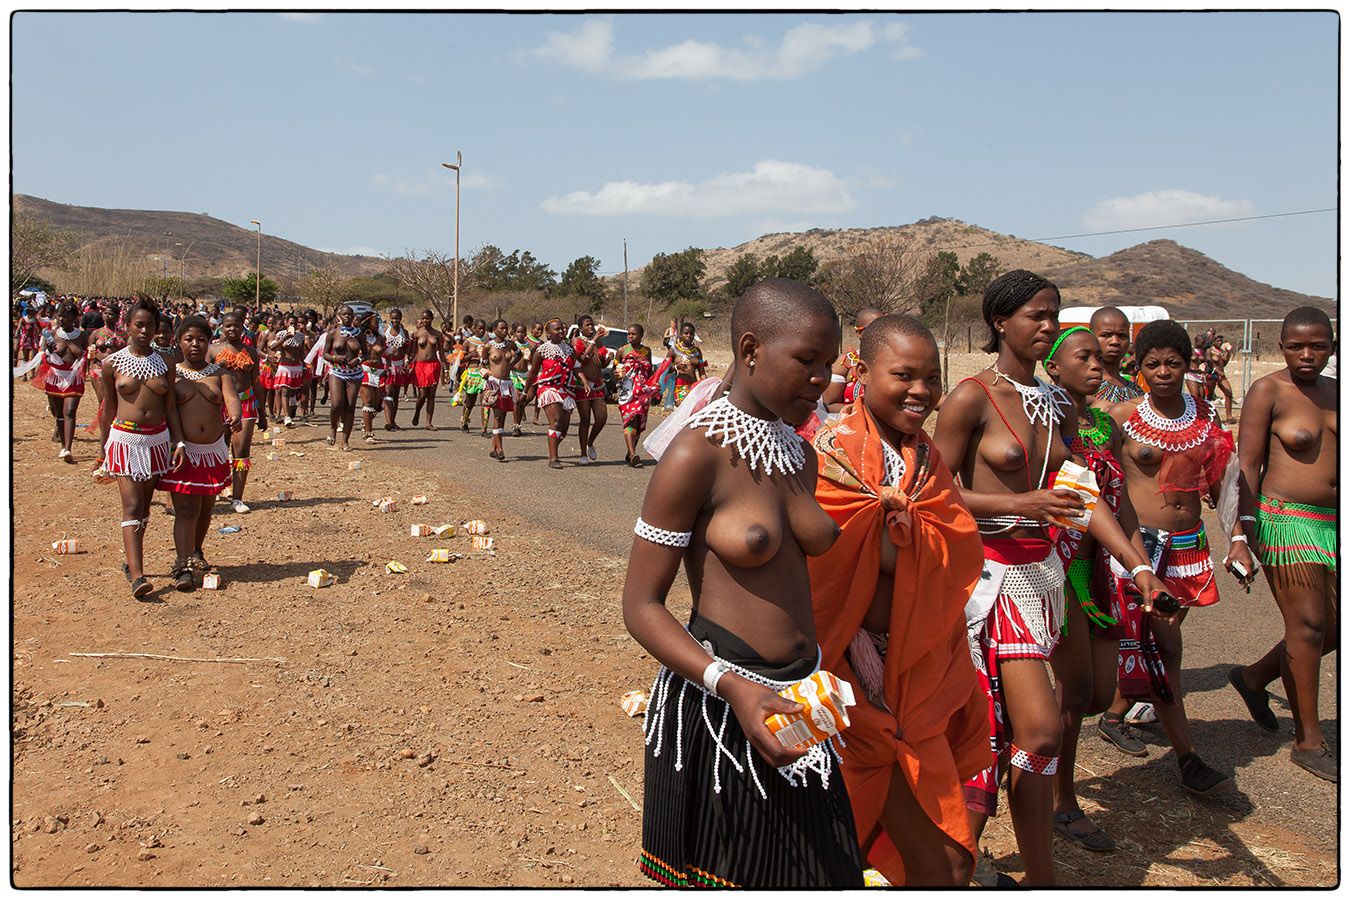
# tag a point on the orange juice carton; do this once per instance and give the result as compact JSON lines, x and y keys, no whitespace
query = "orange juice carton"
{"x":1080,"y":480}
{"x":283,"y":496}
{"x":322,"y":578}
{"x":66,"y":546}
{"x":420,"y":529}
{"x":272,"y":457}
{"x":354,"y":465}
{"x":388,"y":504}
{"x":419,"y":500}
{"x":211,"y":581}
{"x":826,"y":699}
{"x":444,"y":530}
{"x":477,"y":526}
{"x":634,"y":703}
{"x":279,"y":443}
{"x":483,"y":542}
{"x":442,"y":555}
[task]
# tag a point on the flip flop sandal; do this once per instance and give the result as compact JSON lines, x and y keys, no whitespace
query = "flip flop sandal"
{"x":1098,"y":841}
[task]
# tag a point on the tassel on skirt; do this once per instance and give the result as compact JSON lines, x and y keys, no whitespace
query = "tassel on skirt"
{"x":137,"y":454}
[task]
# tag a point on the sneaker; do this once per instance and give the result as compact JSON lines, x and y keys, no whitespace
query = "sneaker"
{"x":1141,"y":714}
{"x":1257,"y":701}
{"x":584,"y":460}
{"x":1199,"y":777}
{"x":590,"y":451}
{"x":1115,"y":731}
{"x":985,"y":875}
{"x":239,"y":506}
{"x":66,"y":455}
{"x":288,"y":422}
{"x":1320,"y":762}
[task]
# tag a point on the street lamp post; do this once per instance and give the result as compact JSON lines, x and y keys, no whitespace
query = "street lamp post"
{"x":257,"y":269}
{"x":454,"y":314}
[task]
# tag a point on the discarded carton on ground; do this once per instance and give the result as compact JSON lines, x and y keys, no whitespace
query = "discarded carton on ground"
{"x":477,"y":526}
{"x":279,"y":443}
{"x":634,"y":703}
{"x":442,"y":555}
{"x":211,"y":581}
{"x":354,"y":465}
{"x":276,"y":430}
{"x":394,"y":567}
{"x":272,"y":457}
{"x":483,"y":542}
{"x":66,"y":546}
{"x":419,"y":500}
{"x":826,"y":699}
{"x":388,"y":505}
{"x":283,"y":496}
{"x":419,"y":529}
{"x":444,"y":530}
{"x":322,"y":578}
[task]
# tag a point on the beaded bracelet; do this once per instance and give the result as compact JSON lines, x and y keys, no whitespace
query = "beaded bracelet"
{"x":661,"y":536}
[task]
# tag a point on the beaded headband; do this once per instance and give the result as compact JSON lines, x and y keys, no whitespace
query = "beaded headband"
{"x":1059,"y":340}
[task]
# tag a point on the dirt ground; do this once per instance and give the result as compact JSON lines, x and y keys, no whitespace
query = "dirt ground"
{"x":459,"y":725}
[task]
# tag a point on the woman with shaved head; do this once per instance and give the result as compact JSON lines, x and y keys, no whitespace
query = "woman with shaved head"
{"x":733,"y":499}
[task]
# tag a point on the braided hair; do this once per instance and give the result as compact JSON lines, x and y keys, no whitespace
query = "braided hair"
{"x":1007,"y":294}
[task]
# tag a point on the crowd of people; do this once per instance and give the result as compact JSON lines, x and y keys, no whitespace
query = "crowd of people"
{"x":979,"y":612}
{"x":941,"y":575}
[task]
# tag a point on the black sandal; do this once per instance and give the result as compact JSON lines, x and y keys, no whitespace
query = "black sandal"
{"x":181,"y":574}
{"x":1098,"y":841}
{"x":141,"y":588}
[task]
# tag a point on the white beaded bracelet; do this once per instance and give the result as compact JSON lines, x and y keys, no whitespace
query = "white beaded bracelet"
{"x":1142,"y":567}
{"x":661,"y":536}
{"x":713,"y":674}
{"x":1247,"y":519}
{"x":1238,"y":538}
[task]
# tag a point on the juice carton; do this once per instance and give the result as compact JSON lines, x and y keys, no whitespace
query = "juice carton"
{"x":65,"y":546}
{"x":442,"y":555}
{"x":322,"y":578}
{"x":283,"y":496}
{"x":420,"y":529}
{"x":388,"y":504}
{"x":444,"y":530}
{"x":279,"y":443}
{"x":419,"y":500}
{"x":354,"y":465}
{"x":826,"y":699}
{"x":271,"y":457}
{"x":477,"y":526}
{"x":1079,"y":479}
{"x":211,"y":581}
{"x":481,"y":542}
{"x":634,"y":703}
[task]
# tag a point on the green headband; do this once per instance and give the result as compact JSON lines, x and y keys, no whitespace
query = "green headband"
{"x":1059,"y":340}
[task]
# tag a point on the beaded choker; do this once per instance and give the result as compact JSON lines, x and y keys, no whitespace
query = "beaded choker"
{"x":231,"y":358}
{"x":1099,"y":433}
{"x":348,"y":332}
{"x":68,"y":335}
{"x":764,"y":445}
{"x":550,"y":350}
{"x":1040,"y":401}
{"x":197,"y":374}
{"x":142,"y":368}
{"x":1147,"y":426}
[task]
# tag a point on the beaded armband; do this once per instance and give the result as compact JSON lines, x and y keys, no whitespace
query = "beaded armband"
{"x":661,"y":536}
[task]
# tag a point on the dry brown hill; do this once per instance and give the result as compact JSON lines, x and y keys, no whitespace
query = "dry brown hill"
{"x":213,"y":247}
{"x":1185,"y":281}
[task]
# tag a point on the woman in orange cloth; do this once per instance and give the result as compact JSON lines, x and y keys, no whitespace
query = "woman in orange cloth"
{"x":921,"y":726}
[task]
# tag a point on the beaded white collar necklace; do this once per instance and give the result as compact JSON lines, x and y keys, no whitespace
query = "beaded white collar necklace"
{"x":394,"y":339}
{"x":764,"y":445}
{"x":550,"y":350}
{"x":140,"y":367}
{"x":197,"y":374}
{"x":68,"y":335}
{"x":1041,"y":402}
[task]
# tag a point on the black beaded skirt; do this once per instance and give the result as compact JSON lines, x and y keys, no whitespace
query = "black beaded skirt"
{"x":716,"y":814}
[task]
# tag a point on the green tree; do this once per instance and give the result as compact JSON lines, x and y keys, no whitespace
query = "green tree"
{"x":324,"y":288}
{"x":674,"y":276}
{"x":581,"y":278}
{"x":485,"y":268}
{"x":745,"y":271}
{"x":800,"y":265}
{"x":35,"y":244}
{"x":243,"y":290}
{"x":522,"y":272}
{"x":937,"y":285}
{"x":979,"y":271}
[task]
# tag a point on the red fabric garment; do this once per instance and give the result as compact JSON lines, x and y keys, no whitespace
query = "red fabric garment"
{"x":929,"y":680}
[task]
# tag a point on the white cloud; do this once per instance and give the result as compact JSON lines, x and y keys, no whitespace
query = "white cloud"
{"x":1167,"y":207}
{"x":307,"y":18}
{"x":441,"y":181}
{"x":771,"y":186}
{"x":803,"y":49}
{"x":365,"y":70}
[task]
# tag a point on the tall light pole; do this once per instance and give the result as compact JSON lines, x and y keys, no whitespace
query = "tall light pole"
{"x":454,"y":314}
{"x":257,"y":269}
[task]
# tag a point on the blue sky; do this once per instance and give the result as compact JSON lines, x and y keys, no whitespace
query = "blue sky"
{"x":705,"y":130}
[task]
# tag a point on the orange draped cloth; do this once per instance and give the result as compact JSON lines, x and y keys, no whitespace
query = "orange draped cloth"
{"x":938,"y":709}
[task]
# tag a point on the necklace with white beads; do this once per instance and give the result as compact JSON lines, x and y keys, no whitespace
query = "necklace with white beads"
{"x":1042,"y":403}
{"x":140,"y":367}
{"x":68,"y":335}
{"x":764,"y":444}
{"x":197,"y":374}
